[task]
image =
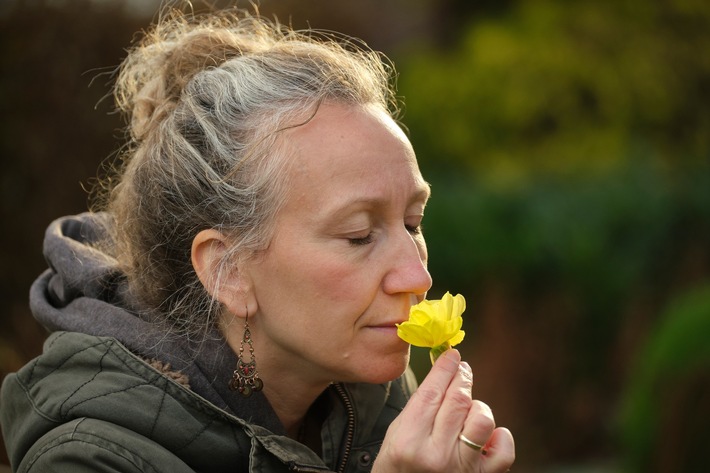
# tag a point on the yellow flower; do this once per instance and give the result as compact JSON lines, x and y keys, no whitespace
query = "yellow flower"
{"x":435,"y":324}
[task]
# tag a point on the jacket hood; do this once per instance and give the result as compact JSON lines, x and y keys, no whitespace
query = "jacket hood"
{"x":84,"y":291}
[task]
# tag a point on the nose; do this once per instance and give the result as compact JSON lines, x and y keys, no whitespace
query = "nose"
{"x":408,"y":272}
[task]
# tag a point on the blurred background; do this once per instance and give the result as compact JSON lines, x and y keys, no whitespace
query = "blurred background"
{"x":568,"y":146}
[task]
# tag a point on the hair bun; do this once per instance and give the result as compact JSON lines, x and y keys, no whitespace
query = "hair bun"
{"x":157,"y":69}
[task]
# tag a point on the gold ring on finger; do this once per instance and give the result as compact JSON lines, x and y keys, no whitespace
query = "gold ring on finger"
{"x":473,"y":445}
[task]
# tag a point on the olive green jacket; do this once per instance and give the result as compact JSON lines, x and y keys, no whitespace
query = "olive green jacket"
{"x":88,"y":404}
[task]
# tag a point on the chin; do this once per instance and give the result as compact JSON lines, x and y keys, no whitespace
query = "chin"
{"x":387,"y":369}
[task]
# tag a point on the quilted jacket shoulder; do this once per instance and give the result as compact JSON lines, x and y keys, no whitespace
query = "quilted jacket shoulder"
{"x":88,"y":399}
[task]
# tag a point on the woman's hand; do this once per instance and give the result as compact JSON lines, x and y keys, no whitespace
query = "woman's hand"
{"x":425,"y":437}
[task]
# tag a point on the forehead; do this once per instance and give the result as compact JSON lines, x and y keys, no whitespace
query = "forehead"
{"x":350,"y":152}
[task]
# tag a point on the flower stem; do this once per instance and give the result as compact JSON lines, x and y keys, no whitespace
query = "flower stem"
{"x":435,"y":352}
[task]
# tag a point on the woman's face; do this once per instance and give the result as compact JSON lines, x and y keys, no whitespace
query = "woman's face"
{"x":347,"y":259}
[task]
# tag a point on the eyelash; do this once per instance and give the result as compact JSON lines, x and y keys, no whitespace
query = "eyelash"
{"x":370,"y":236}
{"x":362,"y":241}
{"x":414,"y":230}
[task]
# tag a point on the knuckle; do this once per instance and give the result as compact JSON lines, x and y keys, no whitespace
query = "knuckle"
{"x":406,"y":457}
{"x":403,"y":455}
{"x":460,"y":399}
{"x":429,"y":463}
{"x":428,"y":396}
{"x":483,"y":407}
{"x":485,"y":422}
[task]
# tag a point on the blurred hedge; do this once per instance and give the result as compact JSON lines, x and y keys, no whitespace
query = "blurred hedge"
{"x":665,"y":411}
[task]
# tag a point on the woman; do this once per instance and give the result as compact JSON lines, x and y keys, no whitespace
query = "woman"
{"x":234,"y":307}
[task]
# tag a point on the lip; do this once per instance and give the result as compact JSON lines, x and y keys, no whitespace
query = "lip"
{"x":387,"y":324}
{"x":390,"y":331}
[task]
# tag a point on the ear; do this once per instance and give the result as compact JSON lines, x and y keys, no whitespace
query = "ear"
{"x":222,"y":280}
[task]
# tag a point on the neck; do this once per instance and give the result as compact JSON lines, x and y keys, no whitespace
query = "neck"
{"x":291,"y":405}
{"x":289,"y":391}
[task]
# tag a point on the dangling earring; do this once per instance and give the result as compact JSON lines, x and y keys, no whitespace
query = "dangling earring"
{"x":246,"y":379}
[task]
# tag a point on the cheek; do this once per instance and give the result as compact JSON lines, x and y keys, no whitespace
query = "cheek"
{"x":315,"y":274}
{"x":334,"y":278}
{"x":338,"y":280}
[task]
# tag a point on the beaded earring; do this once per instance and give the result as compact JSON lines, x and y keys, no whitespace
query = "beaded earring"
{"x":245,"y":379}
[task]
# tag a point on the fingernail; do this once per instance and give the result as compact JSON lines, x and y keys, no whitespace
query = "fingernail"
{"x":452,"y":355}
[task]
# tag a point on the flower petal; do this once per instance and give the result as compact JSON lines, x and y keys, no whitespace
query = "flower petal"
{"x":434,"y":323}
{"x":416,"y":335}
{"x":459,"y":305}
{"x":458,"y":338}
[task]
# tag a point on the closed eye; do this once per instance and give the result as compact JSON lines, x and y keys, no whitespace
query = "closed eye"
{"x":362,"y":241}
{"x":414,"y":230}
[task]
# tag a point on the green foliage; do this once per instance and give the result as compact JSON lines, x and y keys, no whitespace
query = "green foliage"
{"x":576,"y":231}
{"x":665,"y":408}
{"x":564,"y":88}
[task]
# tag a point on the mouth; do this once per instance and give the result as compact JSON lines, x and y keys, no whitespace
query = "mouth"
{"x":391,"y":317}
{"x":386,"y":325}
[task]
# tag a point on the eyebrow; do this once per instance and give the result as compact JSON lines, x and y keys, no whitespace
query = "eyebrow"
{"x":422,"y":194}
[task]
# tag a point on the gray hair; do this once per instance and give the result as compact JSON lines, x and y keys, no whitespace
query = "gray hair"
{"x":206,"y":98}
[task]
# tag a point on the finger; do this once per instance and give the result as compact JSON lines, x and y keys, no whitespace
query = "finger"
{"x":500,"y":451}
{"x":456,"y":407}
{"x":422,"y":408}
{"x":480,"y":423}
{"x":414,"y":424}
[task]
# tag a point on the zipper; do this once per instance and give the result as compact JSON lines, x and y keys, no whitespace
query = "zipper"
{"x":350,"y":432}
